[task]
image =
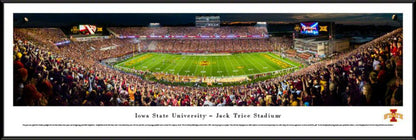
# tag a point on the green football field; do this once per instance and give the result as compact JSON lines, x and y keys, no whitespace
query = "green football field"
{"x":216,"y":65}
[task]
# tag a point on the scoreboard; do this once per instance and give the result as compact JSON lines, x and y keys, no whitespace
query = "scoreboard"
{"x":314,"y":29}
{"x":86,"y":29}
{"x":207,"y":21}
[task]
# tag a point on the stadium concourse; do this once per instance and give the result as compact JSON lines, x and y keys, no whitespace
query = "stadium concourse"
{"x":72,"y":75}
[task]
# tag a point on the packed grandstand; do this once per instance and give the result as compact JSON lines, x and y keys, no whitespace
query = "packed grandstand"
{"x":47,"y":73}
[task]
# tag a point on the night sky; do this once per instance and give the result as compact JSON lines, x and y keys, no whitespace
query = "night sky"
{"x":131,"y":19}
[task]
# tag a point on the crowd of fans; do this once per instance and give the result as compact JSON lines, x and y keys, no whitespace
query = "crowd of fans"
{"x":46,"y":75}
{"x":190,"y":31}
{"x":47,"y":35}
{"x":284,"y":43}
{"x":214,"y":46}
{"x":102,"y":49}
{"x":305,"y":56}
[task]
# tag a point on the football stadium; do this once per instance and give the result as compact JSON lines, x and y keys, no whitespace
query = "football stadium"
{"x":211,"y":62}
{"x":209,"y":65}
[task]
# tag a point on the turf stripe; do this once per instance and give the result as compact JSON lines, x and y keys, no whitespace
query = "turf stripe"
{"x":226,"y":64}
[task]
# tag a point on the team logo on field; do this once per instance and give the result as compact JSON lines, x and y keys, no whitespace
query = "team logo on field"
{"x":393,"y":115}
{"x":204,"y":63}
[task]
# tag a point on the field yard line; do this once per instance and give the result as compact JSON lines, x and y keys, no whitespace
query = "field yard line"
{"x":189,"y":65}
{"x":163,"y":59}
{"x":232,"y":66}
{"x":151,"y":60}
{"x":243,"y":63}
{"x":216,"y":64}
{"x":176,"y":64}
{"x":233,"y":63}
{"x":171,"y":58}
{"x":281,"y":59}
{"x":225,"y":68}
{"x":253,"y":64}
{"x":234,"y":58}
{"x":186,"y":62}
{"x":261,"y":71}
{"x":155,"y":62}
{"x":197,"y":65}
{"x":211,"y":67}
{"x":274,"y":65}
{"x":280,"y":67}
{"x":130,"y":59}
{"x":203,"y":67}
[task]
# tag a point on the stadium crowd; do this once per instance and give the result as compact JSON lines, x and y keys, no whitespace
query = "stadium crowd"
{"x":46,"y":75}
{"x":102,"y":49}
{"x":190,"y":31}
{"x":47,"y":35}
{"x":214,"y":46}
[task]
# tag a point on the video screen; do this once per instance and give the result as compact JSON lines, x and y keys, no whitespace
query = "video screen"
{"x":309,"y":28}
{"x":87,"y":29}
